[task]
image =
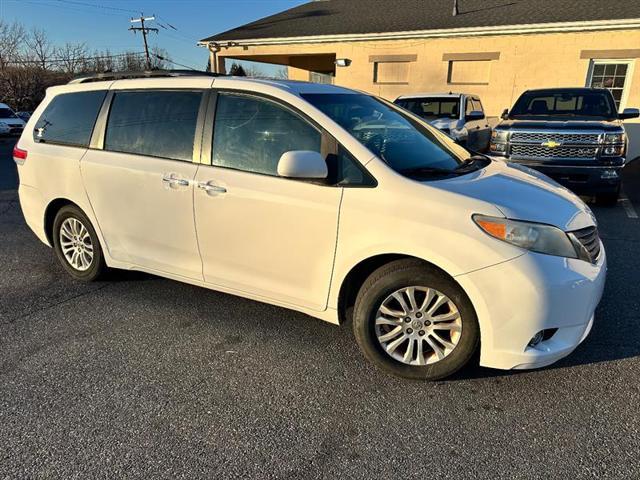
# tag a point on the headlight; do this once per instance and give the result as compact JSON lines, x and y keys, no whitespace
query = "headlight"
{"x":615,"y":138}
{"x":536,"y":237}
{"x":500,"y":136}
{"x":459,"y":134}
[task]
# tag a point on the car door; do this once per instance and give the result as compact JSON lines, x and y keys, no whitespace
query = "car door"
{"x":139,"y":177}
{"x":483,"y":128}
{"x":261,"y":234}
{"x":472,"y":126}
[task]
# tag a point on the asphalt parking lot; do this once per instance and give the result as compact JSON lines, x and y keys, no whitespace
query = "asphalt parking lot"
{"x":143,"y":377}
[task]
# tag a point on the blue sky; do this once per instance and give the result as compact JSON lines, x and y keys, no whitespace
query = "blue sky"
{"x":103,"y":23}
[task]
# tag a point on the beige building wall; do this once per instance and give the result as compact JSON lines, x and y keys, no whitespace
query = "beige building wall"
{"x":508,"y":64}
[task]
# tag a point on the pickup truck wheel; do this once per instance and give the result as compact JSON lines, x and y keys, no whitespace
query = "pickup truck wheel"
{"x":413,"y":321}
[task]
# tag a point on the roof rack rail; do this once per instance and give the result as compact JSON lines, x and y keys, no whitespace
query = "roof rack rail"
{"x":97,"y":77}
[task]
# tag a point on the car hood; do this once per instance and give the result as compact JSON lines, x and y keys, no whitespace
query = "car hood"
{"x":548,"y":123}
{"x":521,"y":193}
{"x":442,"y":123}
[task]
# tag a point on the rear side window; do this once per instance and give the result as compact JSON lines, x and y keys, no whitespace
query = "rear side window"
{"x":252,"y":133}
{"x":154,"y":123}
{"x":69,"y":118}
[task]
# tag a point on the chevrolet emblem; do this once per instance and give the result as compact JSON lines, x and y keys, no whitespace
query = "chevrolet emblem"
{"x":551,"y":144}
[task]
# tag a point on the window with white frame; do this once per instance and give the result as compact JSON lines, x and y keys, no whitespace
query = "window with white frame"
{"x":614,"y":75}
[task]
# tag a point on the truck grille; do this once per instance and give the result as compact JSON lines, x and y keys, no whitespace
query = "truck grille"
{"x":532,"y":151}
{"x":590,"y":240}
{"x":563,"y":138}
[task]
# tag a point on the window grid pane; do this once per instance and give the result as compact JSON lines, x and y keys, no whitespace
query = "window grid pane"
{"x":611,"y":76}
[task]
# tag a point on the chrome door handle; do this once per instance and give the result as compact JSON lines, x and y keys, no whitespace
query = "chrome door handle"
{"x":210,"y":188}
{"x":170,"y":180}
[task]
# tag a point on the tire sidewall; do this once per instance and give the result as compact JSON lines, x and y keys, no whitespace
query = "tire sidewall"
{"x":386,"y":281}
{"x":97,"y":264}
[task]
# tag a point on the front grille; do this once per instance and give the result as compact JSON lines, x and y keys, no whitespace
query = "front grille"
{"x":533,"y":151}
{"x":590,"y":240}
{"x":564,"y":138}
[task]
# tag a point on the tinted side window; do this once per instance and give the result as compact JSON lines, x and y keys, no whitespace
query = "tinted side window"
{"x":252,"y":133}
{"x":69,"y":118}
{"x":469,"y":107}
{"x":477,"y":105}
{"x":155,"y":123}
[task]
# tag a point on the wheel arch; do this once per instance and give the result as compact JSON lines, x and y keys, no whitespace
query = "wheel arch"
{"x":50,"y":213}
{"x":354,"y":279}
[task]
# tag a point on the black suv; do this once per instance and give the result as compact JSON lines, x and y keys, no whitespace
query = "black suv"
{"x":573,"y":135}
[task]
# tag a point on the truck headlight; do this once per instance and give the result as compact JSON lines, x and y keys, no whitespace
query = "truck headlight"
{"x":459,"y":134}
{"x":500,"y":136}
{"x":536,"y":237}
{"x":615,"y":138}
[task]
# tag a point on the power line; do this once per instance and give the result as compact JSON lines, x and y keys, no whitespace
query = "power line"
{"x":160,"y":57}
{"x":104,"y":7}
{"x":60,"y":60}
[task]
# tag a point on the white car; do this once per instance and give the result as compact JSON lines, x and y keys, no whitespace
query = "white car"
{"x":319,"y":199}
{"x":11,"y":120}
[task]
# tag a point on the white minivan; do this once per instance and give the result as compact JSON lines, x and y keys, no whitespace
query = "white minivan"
{"x":319,"y":199}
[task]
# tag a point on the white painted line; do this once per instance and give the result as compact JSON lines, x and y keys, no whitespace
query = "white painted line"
{"x":628,"y":206}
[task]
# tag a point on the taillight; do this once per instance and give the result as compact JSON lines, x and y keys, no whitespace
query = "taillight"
{"x":19,"y":155}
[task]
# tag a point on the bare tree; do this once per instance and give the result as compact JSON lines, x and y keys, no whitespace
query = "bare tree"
{"x":39,"y":47}
{"x":282,"y":73}
{"x":12,"y":36}
{"x":72,"y":57}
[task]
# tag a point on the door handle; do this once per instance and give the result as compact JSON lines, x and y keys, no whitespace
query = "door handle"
{"x":173,"y":180}
{"x":210,"y":188}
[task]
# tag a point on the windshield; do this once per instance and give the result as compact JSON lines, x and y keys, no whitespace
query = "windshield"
{"x":432,"y":108}
{"x":578,"y":104}
{"x":395,"y":136}
{"x":6,"y":113}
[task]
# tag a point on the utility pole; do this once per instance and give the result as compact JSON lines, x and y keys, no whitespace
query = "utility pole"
{"x":144,"y":31}
{"x":455,"y":8}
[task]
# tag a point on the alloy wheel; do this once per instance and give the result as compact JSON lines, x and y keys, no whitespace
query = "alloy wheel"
{"x":418,"y":325}
{"x":76,"y":244}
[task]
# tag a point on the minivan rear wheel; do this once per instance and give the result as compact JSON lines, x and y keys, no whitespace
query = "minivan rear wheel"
{"x":412,"y":320}
{"x":76,"y":244}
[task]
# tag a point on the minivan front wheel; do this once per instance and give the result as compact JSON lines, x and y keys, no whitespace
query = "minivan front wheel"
{"x":76,"y":244}
{"x":413,"y":321}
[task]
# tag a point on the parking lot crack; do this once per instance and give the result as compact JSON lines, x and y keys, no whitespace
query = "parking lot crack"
{"x":53,"y":305}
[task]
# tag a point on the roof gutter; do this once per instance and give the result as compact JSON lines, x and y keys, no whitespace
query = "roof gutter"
{"x":598,"y":25}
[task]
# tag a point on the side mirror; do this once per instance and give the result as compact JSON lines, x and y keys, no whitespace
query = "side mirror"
{"x":302,"y":164}
{"x":474,"y":115}
{"x":505,"y":114}
{"x":629,"y":113}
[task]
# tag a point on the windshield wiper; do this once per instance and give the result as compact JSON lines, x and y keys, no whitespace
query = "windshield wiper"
{"x":471,"y":164}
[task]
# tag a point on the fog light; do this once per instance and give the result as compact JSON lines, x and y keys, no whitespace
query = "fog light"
{"x":609,"y":174}
{"x":613,"y":151}
{"x":537,"y":338}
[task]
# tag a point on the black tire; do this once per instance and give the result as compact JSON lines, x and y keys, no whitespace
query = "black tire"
{"x":405,"y":273}
{"x":608,"y":199}
{"x":97,"y":266}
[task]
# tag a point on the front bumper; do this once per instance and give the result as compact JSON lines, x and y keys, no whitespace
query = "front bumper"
{"x":515,"y":300}
{"x":582,"y":179}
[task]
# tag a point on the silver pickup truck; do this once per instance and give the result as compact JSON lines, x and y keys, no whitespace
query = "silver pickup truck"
{"x":459,"y":115}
